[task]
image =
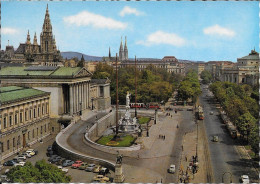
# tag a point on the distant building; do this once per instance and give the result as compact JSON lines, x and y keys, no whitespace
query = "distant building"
{"x":245,"y":71}
{"x":32,"y":53}
{"x":123,"y":52}
{"x":24,"y":118}
{"x":197,"y":67}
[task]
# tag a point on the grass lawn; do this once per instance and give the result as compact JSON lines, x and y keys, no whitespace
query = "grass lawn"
{"x":144,"y":120}
{"x":125,"y":141}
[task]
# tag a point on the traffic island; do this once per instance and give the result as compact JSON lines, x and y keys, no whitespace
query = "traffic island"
{"x":119,"y":141}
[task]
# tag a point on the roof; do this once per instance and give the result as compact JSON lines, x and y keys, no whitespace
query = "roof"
{"x":20,"y":49}
{"x":16,"y":93}
{"x":44,"y":71}
{"x":252,"y":56}
{"x":100,"y":81}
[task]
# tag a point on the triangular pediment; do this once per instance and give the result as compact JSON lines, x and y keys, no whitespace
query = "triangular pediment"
{"x":83,"y":73}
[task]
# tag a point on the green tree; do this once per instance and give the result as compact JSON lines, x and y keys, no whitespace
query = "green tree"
{"x":206,"y":77}
{"x":254,"y":139}
{"x":81,"y":62}
{"x":245,"y":122}
{"x":42,"y":172}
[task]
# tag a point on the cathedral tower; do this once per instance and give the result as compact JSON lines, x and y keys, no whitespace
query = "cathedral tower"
{"x":47,"y":39}
{"x":121,"y":52}
{"x":126,"y":50}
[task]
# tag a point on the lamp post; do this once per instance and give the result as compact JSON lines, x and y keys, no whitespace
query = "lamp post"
{"x":155,"y":115}
{"x":197,"y":159}
{"x":147,"y":133}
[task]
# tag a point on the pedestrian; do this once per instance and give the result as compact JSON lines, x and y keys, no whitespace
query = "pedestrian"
{"x":161,"y":180}
{"x":182,"y":147}
{"x":186,"y":158}
{"x":164,"y":137}
{"x":181,"y":180}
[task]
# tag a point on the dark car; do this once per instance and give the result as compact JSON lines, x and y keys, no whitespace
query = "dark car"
{"x":16,"y":160}
{"x":103,"y":171}
{"x":36,"y":152}
{"x":9,"y":163}
{"x":52,"y":157}
{"x":49,"y":148}
{"x":67,"y":163}
{"x":60,"y":161}
{"x":49,"y":153}
{"x":56,"y":159}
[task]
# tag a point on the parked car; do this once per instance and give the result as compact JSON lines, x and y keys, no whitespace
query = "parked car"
{"x":211,"y":113}
{"x":63,"y":169}
{"x":83,"y":166}
{"x":49,"y":148}
{"x":52,"y":157}
{"x":49,"y":153}
{"x":172,"y":169}
{"x":244,"y":179}
{"x":101,"y":178}
{"x":28,"y":155}
{"x":21,"y":157}
{"x":9,"y":163}
{"x":60,"y":161}
{"x":20,"y":163}
{"x":90,"y":167}
{"x":97,"y":168}
{"x":16,"y":160}
{"x":31,"y":152}
{"x":67,"y":163}
{"x":7,"y":170}
{"x":56,"y":159}
{"x":36,"y":152}
{"x":103,"y":171}
{"x":76,"y":164}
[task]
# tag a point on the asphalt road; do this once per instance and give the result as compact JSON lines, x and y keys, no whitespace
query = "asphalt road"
{"x":187,"y":125}
{"x":224,"y":155}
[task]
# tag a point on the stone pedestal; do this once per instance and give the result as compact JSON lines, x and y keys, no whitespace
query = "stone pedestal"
{"x":119,"y":176}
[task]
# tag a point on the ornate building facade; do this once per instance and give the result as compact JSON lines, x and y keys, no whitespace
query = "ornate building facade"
{"x":32,"y":53}
{"x":24,"y":118}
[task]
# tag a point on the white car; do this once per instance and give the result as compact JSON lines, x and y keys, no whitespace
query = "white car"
{"x":244,"y":179}
{"x":21,"y":157}
{"x":20,"y":163}
{"x":31,"y":152}
{"x":63,"y":169}
{"x":171,"y":169}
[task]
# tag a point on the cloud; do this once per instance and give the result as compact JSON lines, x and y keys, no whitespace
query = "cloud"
{"x":9,"y":31}
{"x":218,"y":30}
{"x":160,"y":37}
{"x":85,"y":18}
{"x":128,"y":10}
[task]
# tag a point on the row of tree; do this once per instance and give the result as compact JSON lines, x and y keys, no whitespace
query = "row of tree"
{"x":206,"y":77}
{"x":242,"y":107}
{"x":41,"y":172}
{"x":153,"y":84}
{"x":189,"y":87}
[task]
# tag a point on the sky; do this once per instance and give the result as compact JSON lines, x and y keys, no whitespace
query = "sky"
{"x":200,"y":31}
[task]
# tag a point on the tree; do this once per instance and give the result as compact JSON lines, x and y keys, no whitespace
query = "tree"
{"x":254,"y":139}
{"x":206,"y":77}
{"x":81,"y":62}
{"x":245,"y":122}
{"x":42,"y":172}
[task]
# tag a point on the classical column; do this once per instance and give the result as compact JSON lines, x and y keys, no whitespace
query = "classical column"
{"x":88,"y":93}
{"x":74,"y":99}
{"x":77,"y":97}
{"x":71,"y":99}
{"x":85,"y":95}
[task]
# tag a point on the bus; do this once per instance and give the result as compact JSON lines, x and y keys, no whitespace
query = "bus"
{"x":138,"y":105}
{"x":153,"y":105}
{"x":232,"y":130}
{"x":200,"y":113}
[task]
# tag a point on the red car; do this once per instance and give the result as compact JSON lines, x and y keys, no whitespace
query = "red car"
{"x":76,"y":164}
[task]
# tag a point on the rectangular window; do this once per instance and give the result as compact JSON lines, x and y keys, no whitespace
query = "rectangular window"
{"x":13,"y":142}
{"x":8,"y":146}
{"x":15,"y":119}
{"x":38,"y":111}
{"x":28,"y":135}
{"x":42,"y":109}
{"x":18,"y":140}
{"x":47,"y":108}
{"x":45,"y":127}
{"x":33,"y":133}
{"x":26,"y":116}
{"x":41,"y":130}
{"x":34,"y":113}
{"x":30,"y":113}
{"x":37,"y":132}
{"x":2,"y":147}
{"x":5,"y":123}
{"x":10,"y":120}
{"x":21,"y":117}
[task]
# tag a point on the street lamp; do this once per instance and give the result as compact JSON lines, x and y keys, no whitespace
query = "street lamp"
{"x":147,"y":133}
{"x":155,"y":114}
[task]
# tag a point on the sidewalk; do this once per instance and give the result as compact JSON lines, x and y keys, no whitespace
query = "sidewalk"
{"x":189,"y":150}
